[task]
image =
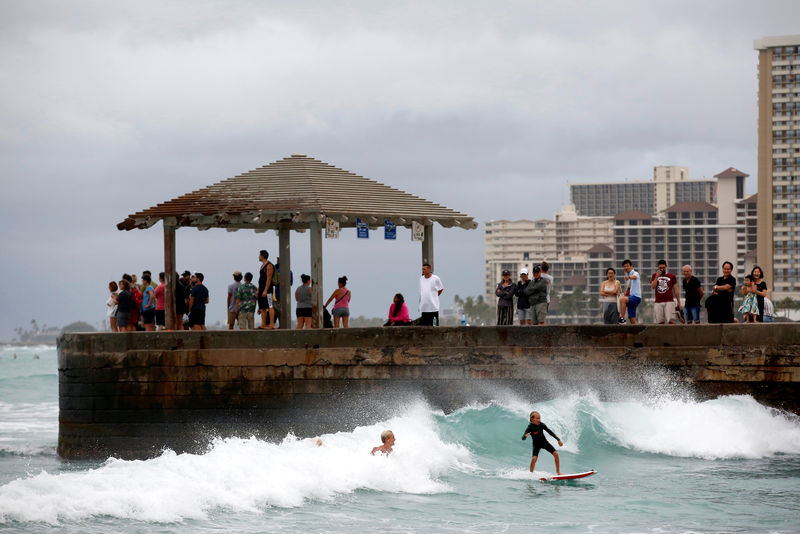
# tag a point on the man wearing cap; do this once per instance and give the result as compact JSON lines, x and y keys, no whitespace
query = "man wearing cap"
{"x":505,"y":303}
{"x":536,"y":291}
{"x":523,"y":306}
{"x":233,"y":310}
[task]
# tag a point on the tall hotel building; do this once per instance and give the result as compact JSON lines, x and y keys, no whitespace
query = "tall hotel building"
{"x":779,"y":163}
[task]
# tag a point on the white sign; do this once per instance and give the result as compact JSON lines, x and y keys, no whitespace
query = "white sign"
{"x":417,"y":231}
{"x":331,"y":229}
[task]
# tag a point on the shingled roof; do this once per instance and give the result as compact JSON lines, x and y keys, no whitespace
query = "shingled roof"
{"x":731,"y":172}
{"x":691,"y":206}
{"x":300,"y":189}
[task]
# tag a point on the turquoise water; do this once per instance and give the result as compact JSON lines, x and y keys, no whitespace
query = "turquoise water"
{"x":666,"y":463}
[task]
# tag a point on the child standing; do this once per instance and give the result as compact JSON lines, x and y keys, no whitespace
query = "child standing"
{"x":536,"y":430}
{"x":750,"y":305}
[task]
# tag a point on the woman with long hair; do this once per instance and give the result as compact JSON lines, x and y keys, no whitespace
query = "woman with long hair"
{"x":398,"y":312}
{"x":341,"y":308}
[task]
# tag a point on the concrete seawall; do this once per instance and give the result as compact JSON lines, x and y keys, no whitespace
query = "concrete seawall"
{"x":131,"y":395}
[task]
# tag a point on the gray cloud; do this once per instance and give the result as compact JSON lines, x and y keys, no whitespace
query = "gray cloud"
{"x":486,"y":108}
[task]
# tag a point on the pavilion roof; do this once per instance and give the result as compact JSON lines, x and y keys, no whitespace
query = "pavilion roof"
{"x":299,"y":189}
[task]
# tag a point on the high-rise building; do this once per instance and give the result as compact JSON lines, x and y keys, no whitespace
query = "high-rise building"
{"x":670,"y":185}
{"x":779,"y":163}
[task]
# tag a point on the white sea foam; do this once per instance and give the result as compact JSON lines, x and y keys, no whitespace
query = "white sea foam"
{"x":726,"y":427}
{"x":242,"y":475}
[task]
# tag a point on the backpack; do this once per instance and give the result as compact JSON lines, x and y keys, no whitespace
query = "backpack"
{"x":275,"y":280}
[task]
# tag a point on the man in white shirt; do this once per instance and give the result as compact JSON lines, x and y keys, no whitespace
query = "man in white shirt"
{"x":430,"y":287}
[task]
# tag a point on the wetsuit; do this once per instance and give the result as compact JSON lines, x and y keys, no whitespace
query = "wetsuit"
{"x":539,"y":440}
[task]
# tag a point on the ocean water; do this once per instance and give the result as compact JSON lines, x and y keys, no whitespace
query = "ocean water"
{"x":666,"y":463}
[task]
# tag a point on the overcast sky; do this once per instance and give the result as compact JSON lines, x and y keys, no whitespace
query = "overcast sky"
{"x":489,"y":108}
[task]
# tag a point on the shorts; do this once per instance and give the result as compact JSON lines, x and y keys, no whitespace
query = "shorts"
{"x":539,"y":312}
{"x":341,"y":312}
{"x":303,"y":312}
{"x":247,"y":320}
{"x":692,"y":314}
{"x":122,"y":319}
{"x":546,"y":446}
{"x":664,"y":312}
{"x":524,"y":314}
{"x":633,"y":303}
{"x":232,"y":317}
{"x":197,"y":317}
{"x":767,"y":319}
{"x":263,"y":303}
{"x":160,"y":317}
{"x":149,"y":316}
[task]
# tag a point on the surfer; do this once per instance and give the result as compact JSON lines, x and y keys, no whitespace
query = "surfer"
{"x":536,"y":430}
{"x":387,"y":437}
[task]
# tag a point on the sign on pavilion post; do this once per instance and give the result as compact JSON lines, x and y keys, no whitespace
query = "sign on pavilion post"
{"x":417,"y":231}
{"x":331,"y":229}
{"x":389,"y":229}
{"x":362,"y":229}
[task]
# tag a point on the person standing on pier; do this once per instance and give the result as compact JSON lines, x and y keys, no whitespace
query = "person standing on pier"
{"x":430,"y":287}
{"x":523,"y":306}
{"x":692,"y":293}
{"x":665,"y":285}
{"x":633,"y":294}
{"x":545,"y":267}
{"x":536,"y":291}
{"x":197,"y":304}
{"x":265,"y":275}
{"x":505,"y":303}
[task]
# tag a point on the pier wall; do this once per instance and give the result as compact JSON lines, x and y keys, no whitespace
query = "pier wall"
{"x":133,"y":394}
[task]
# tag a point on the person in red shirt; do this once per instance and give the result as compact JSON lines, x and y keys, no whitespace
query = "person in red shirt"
{"x":160,"y":292}
{"x":665,"y":285}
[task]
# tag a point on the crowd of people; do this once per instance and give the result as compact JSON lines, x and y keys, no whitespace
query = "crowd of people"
{"x":621,"y":297}
{"x":134,"y":305}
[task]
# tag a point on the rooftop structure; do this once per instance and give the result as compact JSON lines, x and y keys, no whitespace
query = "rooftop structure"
{"x":295,"y":193}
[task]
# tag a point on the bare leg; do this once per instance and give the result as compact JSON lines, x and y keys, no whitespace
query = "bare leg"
{"x":622,"y":306}
{"x":336,"y":321}
{"x":533,"y":462}
{"x":346,"y":321}
{"x":558,"y":467}
{"x":271,"y":318}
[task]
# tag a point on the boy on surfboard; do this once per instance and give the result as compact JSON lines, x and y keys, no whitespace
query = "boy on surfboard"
{"x":536,"y":430}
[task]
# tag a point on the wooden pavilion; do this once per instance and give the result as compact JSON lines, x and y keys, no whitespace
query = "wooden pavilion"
{"x":296,"y":193}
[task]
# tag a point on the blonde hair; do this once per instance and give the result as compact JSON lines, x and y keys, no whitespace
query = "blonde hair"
{"x":385,"y":435}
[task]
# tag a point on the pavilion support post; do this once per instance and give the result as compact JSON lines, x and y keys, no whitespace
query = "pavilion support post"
{"x":169,"y":274}
{"x":285,"y":274}
{"x":427,"y":246}
{"x":316,"y":274}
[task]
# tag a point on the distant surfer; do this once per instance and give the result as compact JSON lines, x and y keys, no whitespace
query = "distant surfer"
{"x":536,"y":430}
{"x":387,"y":437}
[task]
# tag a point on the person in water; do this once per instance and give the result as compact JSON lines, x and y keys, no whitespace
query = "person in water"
{"x":387,"y":437}
{"x":536,"y":430}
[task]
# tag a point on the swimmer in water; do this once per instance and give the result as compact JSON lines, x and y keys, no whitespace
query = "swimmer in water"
{"x":536,"y":430}
{"x":387,"y":437}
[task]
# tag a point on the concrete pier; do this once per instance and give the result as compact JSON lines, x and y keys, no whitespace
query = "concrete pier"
{"x":131,"y":395}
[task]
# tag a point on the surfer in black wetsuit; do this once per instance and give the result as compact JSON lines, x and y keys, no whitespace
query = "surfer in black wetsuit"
{"x":536,"y":430}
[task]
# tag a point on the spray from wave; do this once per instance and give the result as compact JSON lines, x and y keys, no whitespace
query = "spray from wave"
{"x":242,"y":475}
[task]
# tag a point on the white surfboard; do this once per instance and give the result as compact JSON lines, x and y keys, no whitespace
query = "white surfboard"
{"x":571,"y":476}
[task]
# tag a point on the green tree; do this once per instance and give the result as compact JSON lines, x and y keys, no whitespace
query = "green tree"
{"x":477,"y":310}
{"x":787,"y":305}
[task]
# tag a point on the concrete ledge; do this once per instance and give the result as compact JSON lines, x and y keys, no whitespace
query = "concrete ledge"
{"x":133,"y":394}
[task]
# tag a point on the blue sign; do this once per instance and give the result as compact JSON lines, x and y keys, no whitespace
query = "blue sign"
{"x":389,"y":229}
{"x":362,"y":229}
